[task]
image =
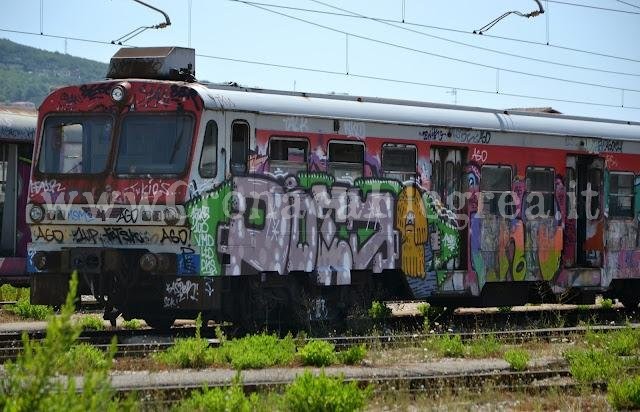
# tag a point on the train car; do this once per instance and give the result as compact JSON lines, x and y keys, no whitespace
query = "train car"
{"x":171,"y":197}
{"x":17,"y":129}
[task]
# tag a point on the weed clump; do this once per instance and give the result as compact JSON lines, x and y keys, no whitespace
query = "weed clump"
{"x":133,"y":324}
{"x":447,"y":346}
{"x":606,"y":303}
{"x":592,"y":365}
{"x":26,"y":310}
{"x":258,"y":351}
{"x":323,"y":393}
{"x":623,"y":342}
{"x":624,"y":393}
{"x":352,"y":356}
{"x":91,"y":323}
{"x":231,"y":398}
{"x":379,"y":310}
{"x":189,"y":352}
{"x":517,"y":359}
{"x":8,"y":292}
{"x":484,"y":347}
{"x":317,"y":353}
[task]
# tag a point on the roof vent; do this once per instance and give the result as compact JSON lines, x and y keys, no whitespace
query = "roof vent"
{"x":161,"y":63}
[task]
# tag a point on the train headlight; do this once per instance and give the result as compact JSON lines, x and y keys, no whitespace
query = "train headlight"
{"x":36,"y":213}
{"x":39,"y":260}
{"x":148,"y":262}
{"x":118,"y":93}
{"x":171,"y":216}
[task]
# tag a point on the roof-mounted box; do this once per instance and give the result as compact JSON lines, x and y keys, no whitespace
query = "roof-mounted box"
{"x":161,"y":63}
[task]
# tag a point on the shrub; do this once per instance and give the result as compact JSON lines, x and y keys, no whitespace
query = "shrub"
{"x":26,"y":310}
{"x":484,"y":347}
{"x":353,"y":355}
{"x":518,"y":359}
{"x":30,"y":383}
{"x":588,"y":366}
{"x":379,"y":310}
{"x":448,"y":346}
{"x":606,"y":303}
{"x":91,"y":322}
{"x":318,"y":353}
{"x":220,"y":400}
{"x":322,"y":393}
{"x":258,"y":351}
{"x":133,"y":324}
{"x":624,"y":393}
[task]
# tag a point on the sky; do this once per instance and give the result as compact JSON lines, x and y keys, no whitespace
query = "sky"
{"x":433,"y":56}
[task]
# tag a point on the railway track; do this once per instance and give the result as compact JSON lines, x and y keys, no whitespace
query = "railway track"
{"x":141,"y":343}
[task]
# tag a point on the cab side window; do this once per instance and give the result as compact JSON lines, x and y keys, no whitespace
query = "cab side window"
{"x":209,"y":156}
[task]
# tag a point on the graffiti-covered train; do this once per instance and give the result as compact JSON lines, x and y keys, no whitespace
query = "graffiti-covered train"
{"x":170,"y":197}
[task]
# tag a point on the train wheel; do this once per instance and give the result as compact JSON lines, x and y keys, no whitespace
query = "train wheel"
{"x":159,"y":323}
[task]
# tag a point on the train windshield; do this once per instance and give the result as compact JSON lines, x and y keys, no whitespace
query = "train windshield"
{"x":75,"y":144}
{"x":154,"y":144}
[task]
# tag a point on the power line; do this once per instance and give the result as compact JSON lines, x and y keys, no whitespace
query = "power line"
{"x":336,"y":73}
{"x":409,"y":82}
{"x":411,"y":49}
{"x":448,"y":29}
{"x":628,"y":4}
{"x":401,"y":27}
{"x":586,"y":6}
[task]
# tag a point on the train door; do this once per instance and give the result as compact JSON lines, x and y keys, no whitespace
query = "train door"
{"x":447,"y":178}
{"x":589,"y":210}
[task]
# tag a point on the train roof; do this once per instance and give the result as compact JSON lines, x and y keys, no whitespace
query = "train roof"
{"x":17,"y":124}
{"x":406,"y":112}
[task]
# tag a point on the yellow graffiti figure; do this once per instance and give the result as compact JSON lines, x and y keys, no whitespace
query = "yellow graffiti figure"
{"x":411,"y":222}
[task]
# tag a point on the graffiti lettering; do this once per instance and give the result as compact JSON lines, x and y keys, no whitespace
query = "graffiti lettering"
{"x":296,"y":124}
{"x":128,"y":216}
{"x":46,"y":186}
{"x":95,"y":91}
{"x":176,"y":236}
{"x":49,"y":235}
{"x":479,"y":156}
{"x":438,"y":134}
{"x":85,"y":235}
{"x":354,"y":129}
{"x":179,"y":291}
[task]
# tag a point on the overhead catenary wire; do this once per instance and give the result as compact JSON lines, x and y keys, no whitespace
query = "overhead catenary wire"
{"x":458,"y":31}
{"x":587,"y":6}
{"x":402,"y":27}
{"x":419,"y":51}
{"x":628,"y":4}
{"x":337,"y":73}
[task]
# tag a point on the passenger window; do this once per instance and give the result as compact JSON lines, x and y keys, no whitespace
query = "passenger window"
{"x":399,"y":162}
{"x":620,"y":194}
{"x":495,"y":182}
{"x":346,"y":161}
{"x":239,"y":147}
{"x":209,"y":156}
{"x":287,"y":156}
{"x":540,"y":186}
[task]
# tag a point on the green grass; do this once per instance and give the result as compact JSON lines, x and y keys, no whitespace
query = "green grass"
{"x":188,"y":353}
{"x":8,"y":293}
{"x":317,"y":353}
{"x":352,"y":356}
{"x":379,"y":310}
{"x":624,"y":393}
{"x":484,"y":347}
{"x":450,"y":346}
{"x":323,"y":393}
{"x":133,"y":324}
{"x":230,"y":399}
{"x":91,"y":322}
{"x":518,"y":359}
{"x":606,"y":304}
{"x":623,"y":342}
{"x":258,"y":351}
{"x":26,"y":310}
{"x":592,"y":365}
{"x":83,"y":358}
{"x":424,"y":309}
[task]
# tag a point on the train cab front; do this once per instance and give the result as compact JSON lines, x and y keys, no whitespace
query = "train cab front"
{"x":109,"y":183}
